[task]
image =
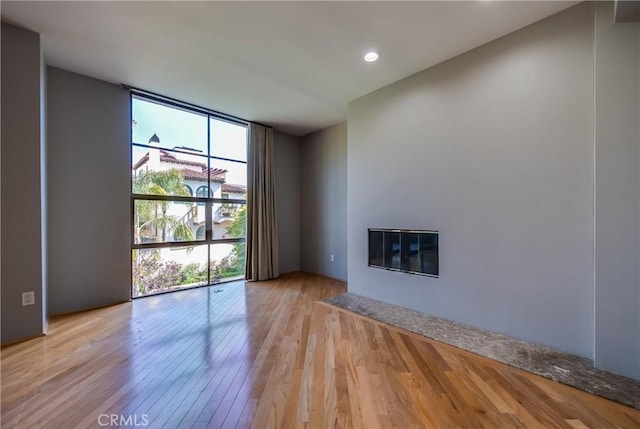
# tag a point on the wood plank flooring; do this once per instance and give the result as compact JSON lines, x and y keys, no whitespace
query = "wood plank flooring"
{"x":269,"y":355}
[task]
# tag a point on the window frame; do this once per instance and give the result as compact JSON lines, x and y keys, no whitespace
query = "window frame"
{"x":206,"y":188}
{"x":208,"y":202}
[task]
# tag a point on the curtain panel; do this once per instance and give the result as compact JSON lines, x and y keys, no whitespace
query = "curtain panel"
{"x":262,"y":228}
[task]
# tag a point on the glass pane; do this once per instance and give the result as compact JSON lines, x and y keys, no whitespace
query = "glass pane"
{"x":166,"y":221}
{"x":201,"y":232}
{"x":230,"y":178}
{"x":168,"y":127}
{"x":229,"y":220}
{"x":161,"y":270}
{"x":392,"y":250}
{"x":158,"y":172}
{"x":411,"y":252}
{"x":228,"y":140}
{"x":227,"y":261}
{"x":375,"y":248}
{"x":429,"y":253}
{"x":203,"y":191}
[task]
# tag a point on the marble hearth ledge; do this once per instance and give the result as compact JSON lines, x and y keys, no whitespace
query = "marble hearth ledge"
{"x":562,"y":367}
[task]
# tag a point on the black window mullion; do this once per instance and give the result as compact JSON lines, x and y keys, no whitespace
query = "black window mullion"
{"x":229,"y":200}
{"x":208,"y":219}
{"x":170,"y":198}
{"x":208,"y":216}
{"x":210,"y":194}
{"x":167,"y":149}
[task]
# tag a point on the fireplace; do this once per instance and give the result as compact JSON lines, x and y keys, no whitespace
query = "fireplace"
{"x":409,"y":251}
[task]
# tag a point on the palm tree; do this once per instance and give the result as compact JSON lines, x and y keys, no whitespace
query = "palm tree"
{"x":151,"y":215}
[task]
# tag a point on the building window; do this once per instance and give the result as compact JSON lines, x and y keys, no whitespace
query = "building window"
{"x":180,"y":239}
{"x":200,"y":233}
{"x":201,"y":192}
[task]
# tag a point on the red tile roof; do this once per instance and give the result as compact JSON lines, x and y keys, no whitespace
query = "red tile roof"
{"x":217,"y":175}
{"x":220,"y":173}
{"x":167,"y":157}
{"x":236,"y":189}
{"x":170,"y":158}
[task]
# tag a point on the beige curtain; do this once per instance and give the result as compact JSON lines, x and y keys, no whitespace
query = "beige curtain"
{"x":262,"y":228}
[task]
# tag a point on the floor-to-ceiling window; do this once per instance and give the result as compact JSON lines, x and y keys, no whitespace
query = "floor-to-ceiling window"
{"x":188,"y":196}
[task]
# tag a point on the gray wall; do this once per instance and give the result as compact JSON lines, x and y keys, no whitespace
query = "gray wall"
{"x":22,"y":193}
{"x":617,"y":208}
{"x":286,"y":150}
{"x":323,"y":199}
{"x":88,"y":191}
{"x":494,"y":149}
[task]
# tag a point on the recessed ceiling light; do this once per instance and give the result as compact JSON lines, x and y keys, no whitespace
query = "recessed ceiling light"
{"x":370,"y":56}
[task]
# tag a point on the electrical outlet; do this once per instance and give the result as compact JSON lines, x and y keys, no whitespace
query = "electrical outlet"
{"x":28,"y":298}
{"x":333,"y":257}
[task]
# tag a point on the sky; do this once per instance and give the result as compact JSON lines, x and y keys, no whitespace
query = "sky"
{"x":176,"y":128}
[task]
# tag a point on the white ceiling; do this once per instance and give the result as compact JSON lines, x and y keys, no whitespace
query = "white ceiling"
{"x":292,"y":65}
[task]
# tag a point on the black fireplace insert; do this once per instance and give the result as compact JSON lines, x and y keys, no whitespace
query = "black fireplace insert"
{"x":410,"y":251}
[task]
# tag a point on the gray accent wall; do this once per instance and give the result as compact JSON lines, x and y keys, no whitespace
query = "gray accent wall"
{"x":495,"y":150}
{"x":286,"y":148}
{"x":323,"y":202}
{"x":88,"y":192}
{"x":22,"y":193}
{"x":617,"y":208}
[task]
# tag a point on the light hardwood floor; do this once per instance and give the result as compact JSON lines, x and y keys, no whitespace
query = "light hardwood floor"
{"x":269,"y":355}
